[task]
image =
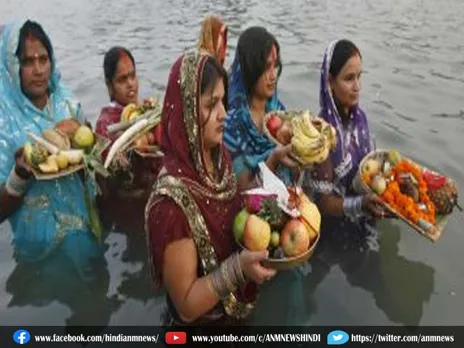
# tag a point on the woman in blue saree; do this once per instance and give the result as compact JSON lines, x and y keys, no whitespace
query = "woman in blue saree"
{"x":252,"y":94}
{"x":50,"y":215}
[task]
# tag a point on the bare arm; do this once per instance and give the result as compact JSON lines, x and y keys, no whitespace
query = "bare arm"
{"x":12,"y":198}
{"x":193,"y":296}
{"x":8,"y":204}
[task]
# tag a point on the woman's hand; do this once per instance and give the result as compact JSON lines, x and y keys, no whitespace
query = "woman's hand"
{"x":373,"y":204}
{"x":21,"y":167}
{"x":252,"y":268}
{"x":281,"y":154}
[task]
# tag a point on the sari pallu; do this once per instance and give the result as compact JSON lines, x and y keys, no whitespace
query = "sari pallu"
{"x":185,"y":201}
{"x":53,"y":210}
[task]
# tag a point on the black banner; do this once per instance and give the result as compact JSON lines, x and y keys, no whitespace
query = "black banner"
{"x":231,"y":336}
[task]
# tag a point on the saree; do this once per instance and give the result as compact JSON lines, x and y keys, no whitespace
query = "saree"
{"x":247,"y":145}
{"x":185,"y":201}
{"x":53,"y":214}
{"x":335,"y":176}
{"x":211,"y":37}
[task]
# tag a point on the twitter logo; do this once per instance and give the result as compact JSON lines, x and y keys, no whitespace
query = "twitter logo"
{"x":337,"y":337}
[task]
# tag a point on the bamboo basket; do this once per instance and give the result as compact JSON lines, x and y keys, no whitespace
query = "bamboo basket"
{"x":100,"y":142}
{"x":360,"y":186}
{"x":284,"y":116}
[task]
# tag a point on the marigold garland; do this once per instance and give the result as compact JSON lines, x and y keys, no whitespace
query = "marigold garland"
{"x":404,"y":204}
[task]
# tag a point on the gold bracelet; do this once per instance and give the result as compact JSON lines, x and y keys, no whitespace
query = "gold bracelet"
{"x":211,"y":287}
{"x":239,"y":271}
{"x":225,"y":269}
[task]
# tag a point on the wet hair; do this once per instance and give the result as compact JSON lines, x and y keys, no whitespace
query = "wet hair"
{"x":254,"y":46}
{"x":111,"y":60}
{"x":343,"y":51}
{"x":213,"y":71}
{"x":33,"y":29}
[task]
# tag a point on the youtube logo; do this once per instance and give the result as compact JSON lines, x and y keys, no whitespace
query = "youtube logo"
{"x":175,"y":338}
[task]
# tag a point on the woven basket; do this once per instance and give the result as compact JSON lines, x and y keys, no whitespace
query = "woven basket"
{"x":288,"y":262}
{"x":360,"y":186}
{"x":284,"y":116}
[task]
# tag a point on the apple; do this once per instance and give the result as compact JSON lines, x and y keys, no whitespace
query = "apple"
{"x":273,"y":124}
{"x":239,"y":224}
{"x":275,"y":239}
{"x":371,"y":167}
{"x":257,"y":233}
{"x":285,"y":133}
{"x":294,"y":238}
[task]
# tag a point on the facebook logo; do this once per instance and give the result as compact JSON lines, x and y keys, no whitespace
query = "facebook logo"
{"x":21,"y":337}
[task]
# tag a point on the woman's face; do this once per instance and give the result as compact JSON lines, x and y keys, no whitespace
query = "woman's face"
{"x":212,"y":115}
{"x":124,"y":87}
{"x":221,"y":48}
{"x":266,"y":85}
{"x":35,"y":69}
{"x":347,"y":85}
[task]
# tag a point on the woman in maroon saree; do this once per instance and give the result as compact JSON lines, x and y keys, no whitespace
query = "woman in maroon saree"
{"x":189,"y":216}
{"x":124,"y":195}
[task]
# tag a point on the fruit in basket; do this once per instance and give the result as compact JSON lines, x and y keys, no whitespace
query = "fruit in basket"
{"x":312,"y":139}
{"x":83,"y":138}
{"x":409,"y":188}
{"x":239,"y":224}
{"x":294,"y":238}
{"x":57,"y":138}
{"x":62,"y":161}
{"x":379,"y":184}
{"x":272,"y":214}
{"x":278,"y":253}
{"x":35,"y":154}
{"x":284,"y":133}
{"x":394,"y":157}
{"x":74,"y":156}
{"x":142,"y":142}
{"x":50,"y":166}
{"x":68,"y":127}
{"x":257,"y":234}
{"x":310,"y":215}
{"x":273,"y":124}
{"x":275,"y":239}
{"x":442,"y":192}
{"x":371,"y":167}
{"x":129,"y":112}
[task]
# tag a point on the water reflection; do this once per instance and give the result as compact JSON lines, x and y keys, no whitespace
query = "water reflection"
{"x":56,"y":279}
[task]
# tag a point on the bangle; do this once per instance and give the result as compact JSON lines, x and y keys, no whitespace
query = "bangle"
{"x":15,"y":185}
{"x":352,"y":206}
{"x":226,"y":278}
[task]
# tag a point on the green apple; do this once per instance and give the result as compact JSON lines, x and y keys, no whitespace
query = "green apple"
{"x":239,"y":224}
{"x":394,"y":157}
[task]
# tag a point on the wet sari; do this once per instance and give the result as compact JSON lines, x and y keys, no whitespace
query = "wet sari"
{"x":185,"y":202}
{"x":53,"y":215}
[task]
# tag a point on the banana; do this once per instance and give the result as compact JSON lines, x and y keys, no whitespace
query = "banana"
{"x":127,"y":111}
{"x":313,"y":138}
{"x":57,"y":138}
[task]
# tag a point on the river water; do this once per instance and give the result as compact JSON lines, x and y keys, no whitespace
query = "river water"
{"x":413,"y":92}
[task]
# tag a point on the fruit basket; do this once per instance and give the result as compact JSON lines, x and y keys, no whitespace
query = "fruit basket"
{"x":63,"y":149}
{"x":141,"y":131}
{"x":418,"y":196}
{"x":311,"y":137}
{"x":290,"y":238}
{"x":279,"y":219}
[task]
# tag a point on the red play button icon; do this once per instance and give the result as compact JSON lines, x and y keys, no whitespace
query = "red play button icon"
{"x":175,"y":337}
